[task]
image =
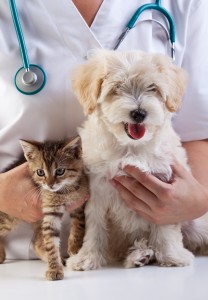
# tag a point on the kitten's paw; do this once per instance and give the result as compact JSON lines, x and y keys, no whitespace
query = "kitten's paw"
{"x":80,"y":262}
{"x":54,"y":274}
{"x":139,"y":258}
{"x":178,"y":258}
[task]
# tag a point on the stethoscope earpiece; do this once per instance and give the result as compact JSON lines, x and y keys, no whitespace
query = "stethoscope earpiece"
{"x":30,"y":81}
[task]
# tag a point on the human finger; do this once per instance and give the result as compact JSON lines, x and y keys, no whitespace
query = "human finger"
{"x":178,"y":170}
{"x":130,"y":199}
{"x":140,"y":207}
{"x":149,"y":181}
{"x":137,"y":189}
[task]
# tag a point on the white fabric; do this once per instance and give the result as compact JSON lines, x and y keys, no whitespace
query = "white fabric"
{"x":58,"y":38}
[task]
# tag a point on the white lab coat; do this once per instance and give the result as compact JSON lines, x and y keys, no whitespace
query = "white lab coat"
{"x":57,"y":39}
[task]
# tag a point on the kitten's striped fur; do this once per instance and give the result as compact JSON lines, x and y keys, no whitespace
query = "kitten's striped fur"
{"x":57,"y":170}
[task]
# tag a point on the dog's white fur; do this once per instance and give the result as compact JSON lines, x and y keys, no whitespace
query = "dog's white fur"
{"x":109,"y":86}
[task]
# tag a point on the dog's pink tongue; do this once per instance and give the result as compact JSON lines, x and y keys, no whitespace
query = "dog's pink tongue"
{"x":136,"y":131}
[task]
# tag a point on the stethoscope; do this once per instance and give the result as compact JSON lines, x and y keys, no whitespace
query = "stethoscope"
{"x":30,"y":79}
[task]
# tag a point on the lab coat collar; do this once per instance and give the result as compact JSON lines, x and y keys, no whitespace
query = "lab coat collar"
{"x":78,"y":38}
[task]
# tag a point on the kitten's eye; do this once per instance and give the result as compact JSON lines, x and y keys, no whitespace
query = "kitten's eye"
{"x":40,"y":172}
{"x":60,"y":171}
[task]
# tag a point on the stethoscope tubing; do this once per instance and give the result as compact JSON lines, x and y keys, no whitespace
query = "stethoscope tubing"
{"x":162,"y":10}
{"x":20,"y":36}
{"x":155,"y":6}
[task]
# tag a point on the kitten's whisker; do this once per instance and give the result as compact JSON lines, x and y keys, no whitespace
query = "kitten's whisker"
{"x":34,"y":191}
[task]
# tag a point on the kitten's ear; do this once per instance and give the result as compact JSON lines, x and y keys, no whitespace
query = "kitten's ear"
{"x":30,"y":149}
{"x":73,"y":147}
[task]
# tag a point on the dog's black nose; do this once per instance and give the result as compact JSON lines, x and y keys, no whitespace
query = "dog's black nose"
{"x":138,"y":115}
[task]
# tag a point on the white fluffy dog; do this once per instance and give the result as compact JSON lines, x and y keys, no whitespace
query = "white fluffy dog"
{"x":130,"y":98}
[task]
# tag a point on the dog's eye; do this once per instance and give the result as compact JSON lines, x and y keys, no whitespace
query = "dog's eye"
{"x":118,"y":85}
{"x":118,"y":88}
{"x":152,"y":88}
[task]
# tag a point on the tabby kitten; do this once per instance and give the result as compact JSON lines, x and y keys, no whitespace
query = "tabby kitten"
{"x":57,"y":170}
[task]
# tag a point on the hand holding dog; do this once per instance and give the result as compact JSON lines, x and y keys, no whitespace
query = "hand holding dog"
{"x":159,"y":202}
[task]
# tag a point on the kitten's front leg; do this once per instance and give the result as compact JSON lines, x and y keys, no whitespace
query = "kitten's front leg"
{"x":51,"y":228}
{"x":38,"y":242}
{"x":167,"y":242}
{"x":93,"y":253}
{"x":77,"y":225}
{"x":77,"y":230}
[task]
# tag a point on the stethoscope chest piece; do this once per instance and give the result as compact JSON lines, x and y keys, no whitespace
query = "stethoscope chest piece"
{"x":30,"y":81}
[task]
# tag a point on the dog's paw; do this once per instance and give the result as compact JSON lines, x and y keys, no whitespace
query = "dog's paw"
{"x":139,"y":258}
{"x":177,"y":258}
{"x":90,"y":261}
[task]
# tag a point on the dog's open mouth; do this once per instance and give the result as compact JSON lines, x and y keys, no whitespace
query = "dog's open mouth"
{"x":134,"y":130}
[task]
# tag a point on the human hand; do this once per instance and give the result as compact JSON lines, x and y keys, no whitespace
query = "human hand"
{"x":19,"y":197}
{"x":76,"y":204}
{"x":163,"y":203}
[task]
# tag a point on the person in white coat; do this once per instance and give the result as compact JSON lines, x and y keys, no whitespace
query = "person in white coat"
{"x":59,"y":35}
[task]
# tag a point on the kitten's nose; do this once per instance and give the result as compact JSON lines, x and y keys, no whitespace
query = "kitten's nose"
{"x":50,"y":185}
{"x":138,"y":115}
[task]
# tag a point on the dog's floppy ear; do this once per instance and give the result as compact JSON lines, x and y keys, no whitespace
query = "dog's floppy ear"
{"x":177,"y":86}
{"x":87,"y":80}
{"x":175,"y":80}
